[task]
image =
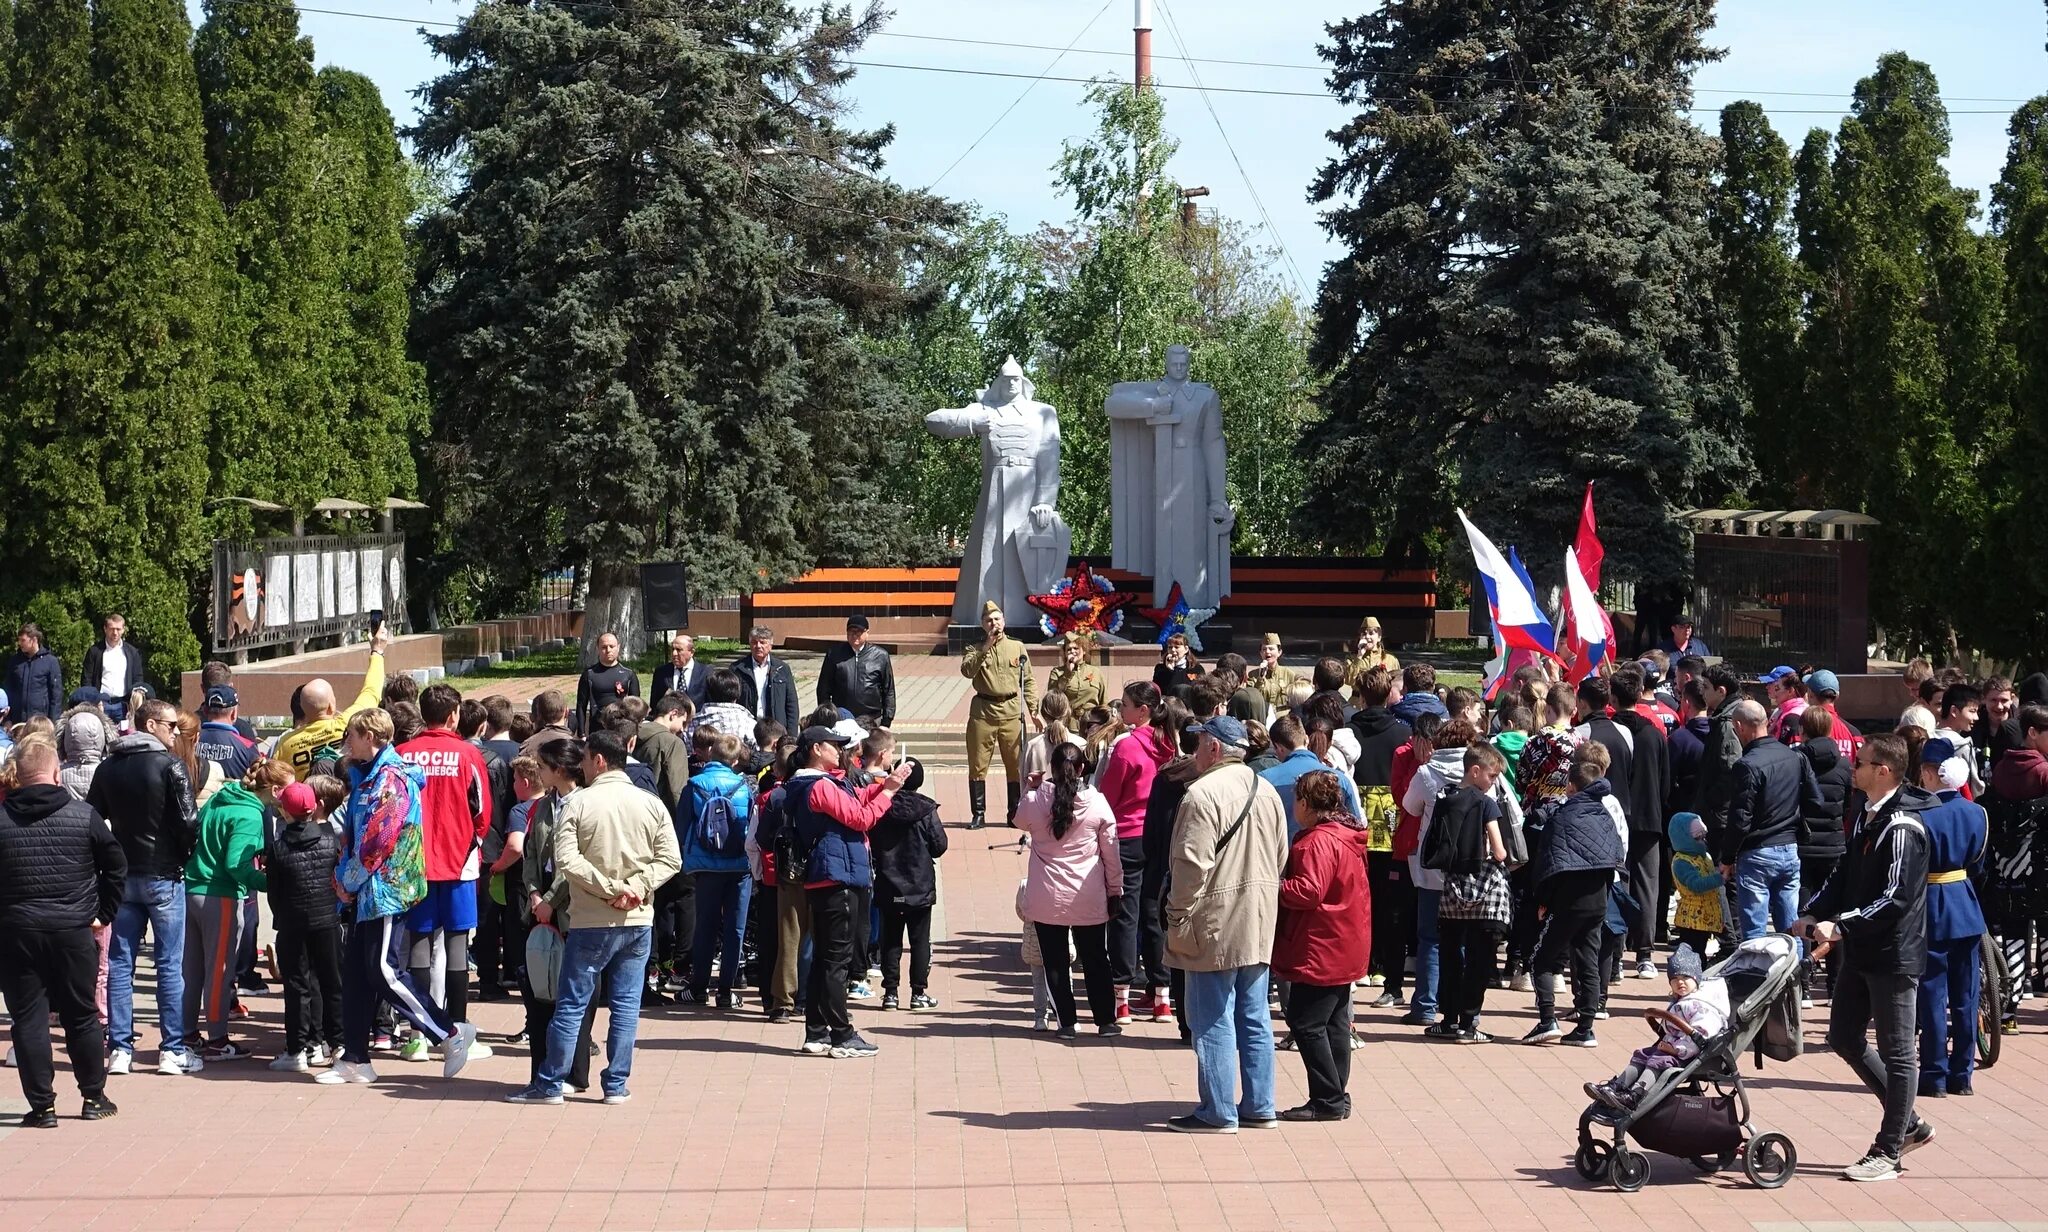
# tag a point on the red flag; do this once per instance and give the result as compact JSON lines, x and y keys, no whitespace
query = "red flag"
{"x":1588,"y":543}
{"x":1586,"y":548}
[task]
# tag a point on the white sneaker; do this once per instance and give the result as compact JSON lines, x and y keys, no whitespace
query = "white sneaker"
{"x":290,"y":1063}
{"x":1646,"y":971}
{"x":121,"y":1061}
{"x":186,"y":1062}
{"x":318,"y":1057}
{"x":875,"y":975}
{"x":346,"y":1071}
{"x":456,"y":1052}
{"x":479,"y":1050}
{"x":10,"y":1062}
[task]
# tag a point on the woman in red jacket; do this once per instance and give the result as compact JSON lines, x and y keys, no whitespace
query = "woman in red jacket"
{"x":1325,"y":940}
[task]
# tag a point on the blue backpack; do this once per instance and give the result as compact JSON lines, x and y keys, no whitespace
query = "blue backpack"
{"x":722,"y":826}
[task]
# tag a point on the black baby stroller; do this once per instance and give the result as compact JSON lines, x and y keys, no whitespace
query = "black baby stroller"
{"x":1698,"y":1109}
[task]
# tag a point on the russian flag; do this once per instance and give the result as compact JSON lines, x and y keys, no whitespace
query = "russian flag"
{"x":1510,"y":596}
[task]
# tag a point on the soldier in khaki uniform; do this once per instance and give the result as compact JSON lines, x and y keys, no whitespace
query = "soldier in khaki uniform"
{"x":1076,"y":677}
{"x":1269,"y":678}
{"x":1001,"y":671}
{"x":1371,"y":653}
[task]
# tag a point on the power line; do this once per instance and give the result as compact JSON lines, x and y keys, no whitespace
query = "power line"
{"x":1173,"y":29}
{"x":1321,"y":95}
{"x":1021,"y":96}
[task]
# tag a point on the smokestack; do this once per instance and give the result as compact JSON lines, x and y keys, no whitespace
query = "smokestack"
{"x":1141,"y":28}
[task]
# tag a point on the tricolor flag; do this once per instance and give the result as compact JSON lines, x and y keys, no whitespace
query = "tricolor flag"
{"x":1518,"y":620}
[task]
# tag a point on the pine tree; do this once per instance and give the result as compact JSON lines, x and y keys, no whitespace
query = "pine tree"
{"x":1527,"y":299}
{"x":366,"y":201}
{"x":278,"y":397}
{"x":1909,"y":378}
{"x":108,"y":233}
{"x":2016,"y":537}
{"x":1752,"y":223}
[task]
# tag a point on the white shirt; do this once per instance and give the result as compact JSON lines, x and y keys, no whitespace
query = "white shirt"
{"x":760,"y":688}
{"x":114,"y":673}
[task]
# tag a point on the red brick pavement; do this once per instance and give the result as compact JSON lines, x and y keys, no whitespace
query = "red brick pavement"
{"x":967,"y":1119}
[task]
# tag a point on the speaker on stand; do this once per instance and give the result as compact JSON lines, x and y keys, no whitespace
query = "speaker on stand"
{"x":664,"y":597}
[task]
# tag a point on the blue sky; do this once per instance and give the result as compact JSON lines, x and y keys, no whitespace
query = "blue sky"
{"x":1989,"y":50}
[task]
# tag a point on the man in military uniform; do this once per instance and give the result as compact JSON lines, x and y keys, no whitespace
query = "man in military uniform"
{"x":1269,"y":678}
{"x":1371,"y":653}
{"x":1076,"y":677}
{"x":1001,"y":671}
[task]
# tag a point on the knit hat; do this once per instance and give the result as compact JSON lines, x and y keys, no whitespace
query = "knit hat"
{"x":1684,"y":963}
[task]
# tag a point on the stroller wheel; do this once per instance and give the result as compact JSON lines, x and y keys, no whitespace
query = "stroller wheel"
{"x":1769,"y":1160}
{"x":1592,"y":1159}
{"x":1630,"y":1170}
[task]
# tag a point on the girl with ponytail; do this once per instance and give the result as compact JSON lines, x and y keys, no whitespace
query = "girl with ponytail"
{"x":1073,"y":882}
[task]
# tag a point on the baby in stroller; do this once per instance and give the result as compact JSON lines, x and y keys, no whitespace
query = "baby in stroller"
{"x":1703,"y":1007}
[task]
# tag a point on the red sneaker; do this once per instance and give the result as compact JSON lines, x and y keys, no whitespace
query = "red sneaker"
{"x":1123,"y":1013}
{"x":1162,"y":1010}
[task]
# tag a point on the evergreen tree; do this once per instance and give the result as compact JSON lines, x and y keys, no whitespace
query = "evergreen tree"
{"x":278,"y":396}
{"x":367,"y":200}
{"x":2016,"y":538}
{"x":1752,"y":223}
{"x":617,"y":302}
{"x":108,"y":234}
{"x":1908,"y":375}
{"x":1527,"y":299}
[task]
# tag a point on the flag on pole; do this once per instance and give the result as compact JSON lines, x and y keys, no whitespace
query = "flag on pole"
{"x":1588,"y":633}
{"x":1518,"y":620}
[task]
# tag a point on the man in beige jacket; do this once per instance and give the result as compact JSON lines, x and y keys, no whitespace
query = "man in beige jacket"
{"x":615,"y":845}
{"x":1229,"y":848}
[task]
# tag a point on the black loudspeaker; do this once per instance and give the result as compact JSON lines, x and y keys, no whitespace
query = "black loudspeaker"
{"x":664,"y":597}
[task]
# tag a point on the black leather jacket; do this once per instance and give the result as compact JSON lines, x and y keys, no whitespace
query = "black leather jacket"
{"x":146,"y":796}
{"x":860,"y":681}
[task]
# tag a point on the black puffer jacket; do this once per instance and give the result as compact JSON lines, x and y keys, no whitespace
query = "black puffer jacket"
{"x":1820,"y":829}
{"x":59,"y":864}
{"x":146,"y":796}
{"x":298,"y":862}
{"x":906,"y":842}
{"x":1578,"y":835}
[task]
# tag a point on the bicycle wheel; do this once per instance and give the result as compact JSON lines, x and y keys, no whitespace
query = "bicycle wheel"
{"x":1990,"y":1001}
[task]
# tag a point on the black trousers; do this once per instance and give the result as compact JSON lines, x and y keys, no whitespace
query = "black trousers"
{"x":863,"y":926}
{"x":492,"y":943}
{"x":1890,"y":1070}
{"x":1092,"y":946}
{"x":1524,"y":930}
{"x":898,"y":920}
{"x":539,"y":1014}
{"x":1319,"y":1020}
{"x":1393,"y":917}
{"x":832,"y":932}
{"x":1647,"y":853}
{"x":55,"y":970}
{"x":1570,"y":940}
{"x":310,"y":962}
{"x":1813,"y":874}
{"x":1123,"y":926}
{"x":675,"y":922}
{"x":1469,"y":959}
{"x":1152,"y":916}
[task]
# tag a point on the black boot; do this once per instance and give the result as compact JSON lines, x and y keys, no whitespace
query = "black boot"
{"x":1016,"y":793}
{"x":977,"y":801}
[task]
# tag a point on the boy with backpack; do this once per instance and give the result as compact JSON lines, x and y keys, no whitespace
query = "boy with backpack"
{"x":716,"y":810}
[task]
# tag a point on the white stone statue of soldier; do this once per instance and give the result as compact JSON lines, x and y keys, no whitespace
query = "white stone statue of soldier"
{"x":1018,"y":545}
{"x":1169,"y":518}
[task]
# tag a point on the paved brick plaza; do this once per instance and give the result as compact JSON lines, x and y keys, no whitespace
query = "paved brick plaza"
{"x":969,"y":1120}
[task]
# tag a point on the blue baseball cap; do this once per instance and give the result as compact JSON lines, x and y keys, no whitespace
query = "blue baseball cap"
{"x":1778,"y":675}
{"x":1227,"y":730}
{"x":1824,"y":681}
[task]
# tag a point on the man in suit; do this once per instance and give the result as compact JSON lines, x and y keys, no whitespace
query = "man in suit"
{"x":682,"y":673}
{"x":767,"y":687}
{"x":114,"y":666}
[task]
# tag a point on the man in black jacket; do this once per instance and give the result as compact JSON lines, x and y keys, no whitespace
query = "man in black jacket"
{"x":767,"y":687}
{"x":1380,"y":735}
{"x":1875,"y":908}
{"x":61,"y":877}
{"x":145,"y":795}
{"x":114,"y":666}
{"x":858,"y":678}
{"x":1770,"y":789}
{"x":603,"y":683}
{"x":34,"y":679}
{"x":1649,"y":847}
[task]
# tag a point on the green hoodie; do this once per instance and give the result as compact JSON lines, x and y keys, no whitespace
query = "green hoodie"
{"x":1510,"y":744}
{"x":230,"y":838}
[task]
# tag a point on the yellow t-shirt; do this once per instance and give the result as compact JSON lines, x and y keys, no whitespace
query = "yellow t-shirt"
{"x":299,"y":747}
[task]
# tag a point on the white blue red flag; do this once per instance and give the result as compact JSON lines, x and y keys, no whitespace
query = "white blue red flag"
{"x":1510,"y":596}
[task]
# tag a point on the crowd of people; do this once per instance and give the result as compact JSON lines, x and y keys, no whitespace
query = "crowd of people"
{"x":1202,"y":844}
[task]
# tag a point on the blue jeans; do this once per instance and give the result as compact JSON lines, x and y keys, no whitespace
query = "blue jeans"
{"x":721,"y":924}
{"x":620,"y":955}
{"x":159,"y":905}
{"x":1428,"y":955}
{"x":1767,"y":889}
{"x":1233,"y":1035}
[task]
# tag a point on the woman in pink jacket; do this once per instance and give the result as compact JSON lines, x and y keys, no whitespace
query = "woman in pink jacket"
{"x":1127,"y":784}
{"x":1073,"y":882}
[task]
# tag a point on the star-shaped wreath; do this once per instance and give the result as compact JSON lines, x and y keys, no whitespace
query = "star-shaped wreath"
{"x":1084,"y":601}
{"x":1178,"y":617}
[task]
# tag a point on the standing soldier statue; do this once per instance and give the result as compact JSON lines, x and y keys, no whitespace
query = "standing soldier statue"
{"x":1001,"y":671}
{"x":1076,"y":677}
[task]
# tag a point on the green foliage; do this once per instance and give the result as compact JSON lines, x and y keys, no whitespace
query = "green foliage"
{"x":1751,"y":221}
{"x":2014,"y":546}
{"x":108,"y":235}
{"x":1527,"y":302}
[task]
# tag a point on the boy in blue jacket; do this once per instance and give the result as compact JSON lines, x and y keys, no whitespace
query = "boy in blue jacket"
{"x":713,"y":817}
